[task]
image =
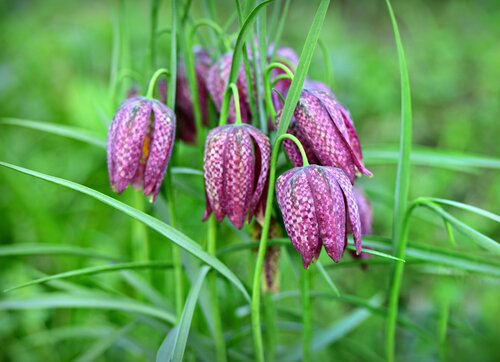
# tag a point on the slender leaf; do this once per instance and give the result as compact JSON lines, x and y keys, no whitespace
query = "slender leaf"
{"x":166,"y":230}
{"x":470,"y":208}
{"x":49,"y":249}
{"x":96,"y":301}
{"x":430,"y":157}
{"x":174,"y":345}
{"x":94,"y":270}
{"x":303,"y":67}
{"x":57,"y":129}
{"x":327,"y":278}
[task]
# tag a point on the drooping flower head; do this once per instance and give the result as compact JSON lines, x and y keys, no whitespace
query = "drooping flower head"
{"x":326,"y":129}
{"x":217,"y":79}
{"x":318,"y":207}
{"x":140,"y":141}
{"x":236,"y":170}
{"x":186,"y":125}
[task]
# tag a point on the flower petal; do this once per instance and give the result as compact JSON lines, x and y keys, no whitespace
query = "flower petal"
{"x":162,"y":143}
{"x":238,"y":175}
{"x":299,"y":214}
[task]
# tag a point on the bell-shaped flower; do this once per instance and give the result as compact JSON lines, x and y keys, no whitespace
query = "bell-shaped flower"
{"x":140,"y":141}
{"x":186,"y":125}
{"x":318,"y":208}
{"x":217,"y":79}
{"x":236,"y":171}
{"x":325,"y":127}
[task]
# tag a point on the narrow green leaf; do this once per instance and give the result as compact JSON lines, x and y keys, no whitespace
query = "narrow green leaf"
{"x":166,"y":230}
{"x":49,"y":249}
{"x":302,"y":68}
{"x":186,"y":171}
{"x":174,"y":345}
{"x":57,"y":129}
{"x":96,"y":301}
{"x":94,"y":270}
{"x":327,"y":278}
{"x":470,"y":208}
{"x":430,"y":157}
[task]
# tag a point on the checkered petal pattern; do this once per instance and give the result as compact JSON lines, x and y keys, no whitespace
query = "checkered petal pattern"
{"x":217,"y":79}
{"x":236,"y":170}
{"x":140,"y":140}
{"x":325,"y":125}
{"x":318,"y":204}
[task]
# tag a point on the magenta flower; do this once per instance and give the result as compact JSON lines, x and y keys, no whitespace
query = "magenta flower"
{"x":326,"y":129}
{"x":217,"y":79}
{"x":236,"y":170}
{"x":186,"y":125}
{"x":318,"y":207}
{"x":140,"y":141}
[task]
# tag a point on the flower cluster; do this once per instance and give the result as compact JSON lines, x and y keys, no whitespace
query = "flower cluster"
{"x":316,"y":197}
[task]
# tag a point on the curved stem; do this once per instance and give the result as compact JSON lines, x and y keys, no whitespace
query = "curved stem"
{"x":154,"y":79}
{"x":212,"y":25}
{"x":306,"y":314}
{"x":267,"y":85}
{"x":255,"y":305}
{"x":236,"y":97}
{"x":280,"y":77}
{"x":220,"y":344}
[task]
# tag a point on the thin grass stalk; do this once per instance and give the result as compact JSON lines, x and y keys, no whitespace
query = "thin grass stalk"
{"x":256,"y":288}
{"x":155,"y":7}
{"x":140,"y":239}
{"x":401,"y":218}
{"x":271,"y":327}
{"x":220,"y":344}
{"x":305,"y":284}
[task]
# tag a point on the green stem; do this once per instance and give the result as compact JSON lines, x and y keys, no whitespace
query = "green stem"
{"x":271,"y":330}
{"x":154,"y":79}
{"x":155,"y":6}
{"x":236,"y":97}
{"x":140,"y":233}
{"x":176,"y":256}
{"x":306,"y":314}
{"x":172,"y":84}
{"x":326,"y":60}
{"x":215,"y":27}
{"x":256,"y":290}
{"x":220,"y":344}
{"x":442,"y":329}
{"x":267,"y":85}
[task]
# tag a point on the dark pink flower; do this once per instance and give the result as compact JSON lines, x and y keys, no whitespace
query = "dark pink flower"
{"x":327,"y":130}
{"x":140,"y":141}
{"x":186,"y":125}
{"x":236,"y":171}
{"x":217,"y":79}
{"x":318,"y":207}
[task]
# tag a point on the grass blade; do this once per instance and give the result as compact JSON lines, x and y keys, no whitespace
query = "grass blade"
{"x":166,"y":230}
{"x":401,"y":193}
{"x":75,"y":133}
{"x":174,"y":345}
{"x":422,"y":156}
{"x":94,"y":270}
{"x":303,"y":67}
{"x":96,"y":301}
{"x":48,"y":249}
{"x":470,"y":208}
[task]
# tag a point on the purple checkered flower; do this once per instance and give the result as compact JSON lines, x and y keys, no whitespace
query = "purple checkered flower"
{"x":186,"y":125}
{"x":326,"y":130}
{"x":236,"y":170}
{"x":318,"y":207}
{"x":217,"y":79}
{"x":140,"y":141}
{"x":365,"y":216}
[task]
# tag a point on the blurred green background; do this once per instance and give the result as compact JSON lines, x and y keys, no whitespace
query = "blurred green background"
{"x":55,"y":61}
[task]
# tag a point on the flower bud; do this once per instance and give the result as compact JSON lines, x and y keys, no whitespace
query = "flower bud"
{"x":140,"y":141}
{"x":236,"y":171}
{"x":318,"y":206}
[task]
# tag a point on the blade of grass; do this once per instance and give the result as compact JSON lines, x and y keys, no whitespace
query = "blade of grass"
{"x":174,"y":345}
{"x":48,"y":249}
{"x":75,"y":133}
{"x":166,"y":230}
{"x":87,"y":301}
{"x":430,"y":157}
{"x":94,"y":270}
{"x":470,"y":208}
{"x":401,"y":193}
{"x":303,"y":67}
